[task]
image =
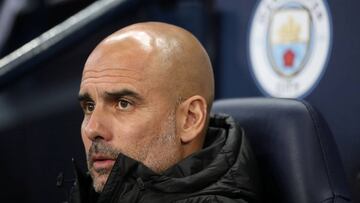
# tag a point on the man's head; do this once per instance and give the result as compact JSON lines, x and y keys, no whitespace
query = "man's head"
{"x":146,"y":92}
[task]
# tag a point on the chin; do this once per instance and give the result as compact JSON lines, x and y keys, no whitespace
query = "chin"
{"x":99,"y":182}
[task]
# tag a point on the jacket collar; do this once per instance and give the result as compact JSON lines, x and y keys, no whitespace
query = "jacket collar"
{"x":202,"y":168}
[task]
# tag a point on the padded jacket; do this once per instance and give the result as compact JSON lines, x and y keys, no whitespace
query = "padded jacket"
{"x":223,"y":171}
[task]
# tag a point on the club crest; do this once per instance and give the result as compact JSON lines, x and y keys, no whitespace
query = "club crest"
{"x":289,"y":44}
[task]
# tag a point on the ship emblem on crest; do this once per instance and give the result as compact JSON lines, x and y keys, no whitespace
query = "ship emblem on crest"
{"x":288,"y":40}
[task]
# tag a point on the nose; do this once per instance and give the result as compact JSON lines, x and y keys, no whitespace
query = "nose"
{"x":95,"y":126}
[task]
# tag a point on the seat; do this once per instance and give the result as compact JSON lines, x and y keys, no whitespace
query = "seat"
{"x":296,"y":152}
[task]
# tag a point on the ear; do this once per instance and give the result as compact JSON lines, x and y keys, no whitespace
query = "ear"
{"x":192,"y":120}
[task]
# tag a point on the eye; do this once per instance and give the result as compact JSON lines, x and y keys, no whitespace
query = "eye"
{"x":88,"y":107}
{"x":124,"y":104}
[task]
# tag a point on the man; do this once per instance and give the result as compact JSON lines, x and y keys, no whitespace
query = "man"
{"x":146,"y":93}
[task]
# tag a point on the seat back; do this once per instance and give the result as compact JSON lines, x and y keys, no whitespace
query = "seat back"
{"x":298,"y":158}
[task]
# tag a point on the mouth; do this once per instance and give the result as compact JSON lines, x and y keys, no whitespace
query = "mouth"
{"x":100,"y":162}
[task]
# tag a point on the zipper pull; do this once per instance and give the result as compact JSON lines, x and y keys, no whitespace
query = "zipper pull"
{"x":140,"y":183}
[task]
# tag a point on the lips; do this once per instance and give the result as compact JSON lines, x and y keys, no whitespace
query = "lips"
{"x":102,"y":162}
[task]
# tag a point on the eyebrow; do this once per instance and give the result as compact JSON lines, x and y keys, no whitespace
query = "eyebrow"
{"x":112,"y":95}
{"x":123,"y":93}
{"x":84,"y":97}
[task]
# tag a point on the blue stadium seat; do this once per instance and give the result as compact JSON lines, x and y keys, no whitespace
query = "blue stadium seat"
{"x":298,"y":158}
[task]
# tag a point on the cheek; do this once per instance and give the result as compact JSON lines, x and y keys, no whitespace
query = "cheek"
{"x":134,"y":134}
{"x":85,"y":139}
{"x":86,"y":142}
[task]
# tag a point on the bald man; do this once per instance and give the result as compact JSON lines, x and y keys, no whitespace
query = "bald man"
{"x":146,"y":93}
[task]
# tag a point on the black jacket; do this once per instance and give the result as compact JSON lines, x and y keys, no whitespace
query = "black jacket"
{"x":223,"y":171}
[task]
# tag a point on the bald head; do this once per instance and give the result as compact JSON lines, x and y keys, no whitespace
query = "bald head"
{"x":146,"y":92}
{"x":168,"y":54}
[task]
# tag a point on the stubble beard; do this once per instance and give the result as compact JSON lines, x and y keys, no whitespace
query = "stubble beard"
{"x":165,"y":138}
{"x":99,"y":176}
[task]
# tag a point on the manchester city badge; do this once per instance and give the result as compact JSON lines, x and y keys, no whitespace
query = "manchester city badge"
{"x":289,"y":44}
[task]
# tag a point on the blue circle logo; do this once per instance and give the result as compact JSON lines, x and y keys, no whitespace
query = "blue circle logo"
{"x":289,"y":45}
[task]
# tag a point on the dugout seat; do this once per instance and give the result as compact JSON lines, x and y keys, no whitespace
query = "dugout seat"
{"x":298,"y":158}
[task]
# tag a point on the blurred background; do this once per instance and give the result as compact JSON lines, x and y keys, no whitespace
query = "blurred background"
{"x":44,"y":45}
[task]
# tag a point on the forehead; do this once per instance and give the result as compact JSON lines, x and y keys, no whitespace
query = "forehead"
{"x":118,"y":55}
{"x":118,"y":65}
